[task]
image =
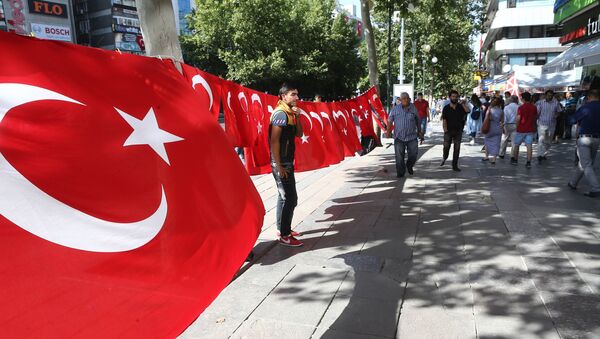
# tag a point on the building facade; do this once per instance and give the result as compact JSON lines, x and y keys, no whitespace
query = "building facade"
{"x":519,"y":33}
{"x":182,"y":9}
{"x":52,"y":20}
{"x":580,"y":20}
{"x":108,"y":24}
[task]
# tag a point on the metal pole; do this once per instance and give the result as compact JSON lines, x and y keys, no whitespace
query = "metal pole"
{"x":402,"y":51}
{"x":423,"y":80}
{"x":389,"y":57}
{"x":414,"y":50}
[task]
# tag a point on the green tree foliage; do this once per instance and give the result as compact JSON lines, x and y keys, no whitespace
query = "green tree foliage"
{"x":261,"y":43}
{"x":448,"y":26}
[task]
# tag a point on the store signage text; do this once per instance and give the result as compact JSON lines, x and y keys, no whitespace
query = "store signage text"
{"x":51,"y":32}
{"x":592,"y":28}
{"x":48,"y":8}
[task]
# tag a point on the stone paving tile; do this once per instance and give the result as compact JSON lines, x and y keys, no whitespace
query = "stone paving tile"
{"x":362,"y":315}
{"x":556,"y":275}
{"x":303,"y":295}
{"x":576,"y":316}
{"x":272,"y":329}
{"x":327,"y":333}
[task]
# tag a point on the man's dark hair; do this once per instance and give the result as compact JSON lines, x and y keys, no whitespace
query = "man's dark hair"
{"x":507,"y":94}
{"x":286,"y":87}
{"x":452,"y":92}
{"x":475,"y":100}
{"x":526,"y":96}
{"x":549,"y":91}
{"x":593,"y":93}
{"x":420,"y":94}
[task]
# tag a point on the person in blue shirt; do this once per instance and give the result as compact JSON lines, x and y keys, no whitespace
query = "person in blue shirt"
{"x":588,"y":121}
{"x":404,"y":119}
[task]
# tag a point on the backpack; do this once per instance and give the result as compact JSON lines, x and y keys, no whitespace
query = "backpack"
{"x":475,"y":113}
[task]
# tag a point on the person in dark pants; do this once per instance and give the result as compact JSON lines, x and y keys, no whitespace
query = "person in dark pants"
{"x":404,"y":119}
{"x":454,"y":116}
{"x":284,"y":128}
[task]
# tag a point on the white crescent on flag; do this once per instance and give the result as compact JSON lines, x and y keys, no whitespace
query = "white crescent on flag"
{"x":303,"y":113}
{"x":198,"y":79}
{"x":337,"y":114}
{"x":316,"y":116}
{"x":326,"y":116}
{"x":35,"y":211}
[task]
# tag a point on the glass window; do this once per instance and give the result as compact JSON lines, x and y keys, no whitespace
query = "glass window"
{"x":524,"y":32}
{"x":540,"y":59}
{"x":512,"y":32}
{"x":517,"y":59}
{"x":552,"y":56}
{"x":537,"y":31}
{"x":511,"y":4}
{"x":530,"y":60}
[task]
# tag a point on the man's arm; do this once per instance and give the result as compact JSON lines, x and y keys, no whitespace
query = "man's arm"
{"x":444,"y":121}
{"x":276,"y":150}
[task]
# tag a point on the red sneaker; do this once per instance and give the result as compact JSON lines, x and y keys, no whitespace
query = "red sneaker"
{"x":290,"y":241}
{"x":293,"y":234}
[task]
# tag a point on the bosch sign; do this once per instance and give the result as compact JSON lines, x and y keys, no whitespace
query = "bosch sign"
{"x":48,"y":8}
{"x":51,"y":32}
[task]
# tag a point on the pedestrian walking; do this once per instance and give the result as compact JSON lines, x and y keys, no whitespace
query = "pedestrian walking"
{"x":474,"y":119}
{"x":284,"y":128}
{"x":422,"y":106}
{"x":588,"y":121}
{"x":404,"y":120}
{"x":548,"y":110}
{"x":526,"y":128}
{"x":492,"y":137}
{"x":570,"y":107}
{"x":454,"y":116}
{"x":510,"y":118}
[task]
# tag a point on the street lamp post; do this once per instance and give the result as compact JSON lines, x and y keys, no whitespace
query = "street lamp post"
{"x":434,"y":61}
{"x":426,"y":49}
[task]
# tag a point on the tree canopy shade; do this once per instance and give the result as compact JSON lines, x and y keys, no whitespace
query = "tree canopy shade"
{"x":448,"y":26}
{"x":261,"y":43}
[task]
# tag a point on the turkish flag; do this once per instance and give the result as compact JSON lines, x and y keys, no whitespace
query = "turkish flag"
{"x":124,"y":211}
{"x":240,"y":125}
{"x":310,"y":147}
{"x":346,"y":128}
{"x":207,"y":86}
{"x":380,"y":115}
{"x":258,"y":156}
{"x":365,"y":116}
{"x":334,"y":147}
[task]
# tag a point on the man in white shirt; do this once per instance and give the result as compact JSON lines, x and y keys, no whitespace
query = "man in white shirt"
{"x":510,"y":119}
{"x":548,"y":110}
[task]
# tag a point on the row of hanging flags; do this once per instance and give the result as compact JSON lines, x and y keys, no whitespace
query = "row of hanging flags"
{"x":330,"y":132}
{"x":124,"y":209}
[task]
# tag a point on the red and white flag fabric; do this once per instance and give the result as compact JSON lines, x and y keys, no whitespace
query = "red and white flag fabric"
{"x":125,"y":210}
{"x":257,"y":157}
{"x":240,"y":124}
{"x":331,"y":136}
{"x":380,"y":115}
{"x":346,"y":127}
{"x":207,"y":86}
{"x":311,"y":152}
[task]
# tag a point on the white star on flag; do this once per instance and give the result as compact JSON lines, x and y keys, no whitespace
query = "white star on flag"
{"x":147,"y":132}
{"x":304,"y":138}
{"x":345,"y":131}
{"x":260,"y":127}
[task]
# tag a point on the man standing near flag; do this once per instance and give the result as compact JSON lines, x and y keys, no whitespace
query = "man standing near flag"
{"x":285,"y":126}
{"x":404,"y":120}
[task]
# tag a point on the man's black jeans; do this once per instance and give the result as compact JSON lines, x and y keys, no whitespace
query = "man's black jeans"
{"x":452,"y":137}
{"x":287,"y":198}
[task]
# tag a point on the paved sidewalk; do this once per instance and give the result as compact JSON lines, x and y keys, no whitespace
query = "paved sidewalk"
{"x":490,"y":252}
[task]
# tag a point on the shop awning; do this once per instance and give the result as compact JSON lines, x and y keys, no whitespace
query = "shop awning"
{"x":583,"y":54}
{"x":569,"y":78}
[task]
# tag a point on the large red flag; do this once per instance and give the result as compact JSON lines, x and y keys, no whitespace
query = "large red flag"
{"x":208,"y":86}
{"x":310,"y":147}
{"x":125,"y":211}
{"x":240,"y":125}
{"x":346,"y":128}
{"x":258,"y":159}
{"x":380,"y":115}
{"x":365,"y":116}
{"x":331,"y":138}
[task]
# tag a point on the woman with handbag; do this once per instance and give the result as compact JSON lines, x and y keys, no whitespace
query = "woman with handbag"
{"x":492,"y":128}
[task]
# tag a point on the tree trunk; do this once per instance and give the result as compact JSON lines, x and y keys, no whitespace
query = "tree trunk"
{"x":157,"y":20}
{"x":365,"y":6}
